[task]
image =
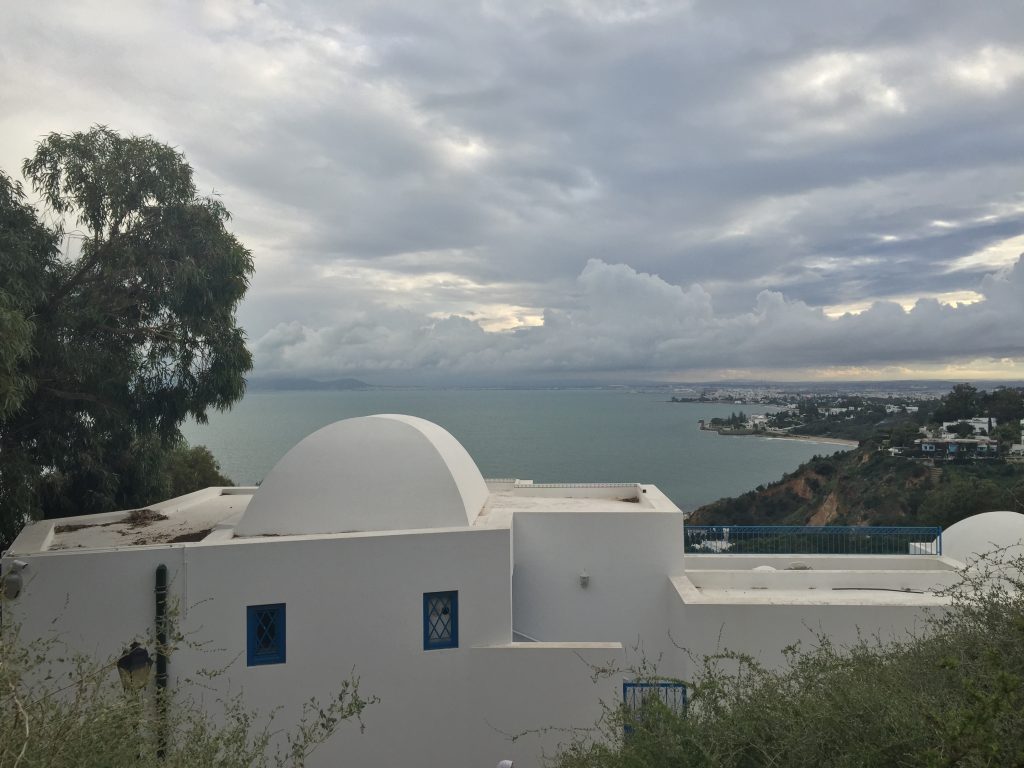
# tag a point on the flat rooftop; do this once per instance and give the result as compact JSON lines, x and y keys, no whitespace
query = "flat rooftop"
{"x":183,"y":520}
{"x":211,"y":515}
{"x":879,"y":580}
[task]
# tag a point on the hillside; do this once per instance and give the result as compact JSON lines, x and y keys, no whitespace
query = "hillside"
{"x":868,"y":487}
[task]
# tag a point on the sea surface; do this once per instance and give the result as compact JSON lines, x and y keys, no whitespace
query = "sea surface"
{"x":539,"y":435}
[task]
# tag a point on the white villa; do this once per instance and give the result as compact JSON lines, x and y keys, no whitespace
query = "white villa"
{"x":472,"y":608}
{"x":980,"y":425}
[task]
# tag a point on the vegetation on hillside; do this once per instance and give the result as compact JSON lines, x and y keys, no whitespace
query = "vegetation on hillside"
{"x":867,"y":486}
{"x":867,"y":418}
{"x":108,"y":345}
{"x":953,"y":696}
{"x":734,"y":421}
{"x":871,"y":422}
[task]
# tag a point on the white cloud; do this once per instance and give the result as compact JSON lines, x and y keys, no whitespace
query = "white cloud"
{"x":993,"y":69}
{"x":1003,"y":253}
{"x":628,"y":321}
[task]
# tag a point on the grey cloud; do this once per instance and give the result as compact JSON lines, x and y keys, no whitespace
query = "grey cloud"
{"x":485,"y":152}
{"x":629,"y":321}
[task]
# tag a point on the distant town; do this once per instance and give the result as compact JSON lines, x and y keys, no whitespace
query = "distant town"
{"x":964,"y":424}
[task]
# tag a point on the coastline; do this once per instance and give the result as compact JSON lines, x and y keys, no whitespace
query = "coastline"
{"x":780,"y":436}
{"x":815,"y":439}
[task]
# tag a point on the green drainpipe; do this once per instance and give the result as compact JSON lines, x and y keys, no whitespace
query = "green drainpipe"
{"x":161,"y":660}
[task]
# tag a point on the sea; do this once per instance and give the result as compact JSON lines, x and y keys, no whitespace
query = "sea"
{"x":562,"y":435}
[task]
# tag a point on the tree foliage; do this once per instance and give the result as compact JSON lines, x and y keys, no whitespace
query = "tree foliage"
{"x":953,"y":696}
{"x":111,"y":347}
{"x":963,"y":402}
{"x":28,"y":251}
{"x":1003,"y":404}
{"x":866,"y":486}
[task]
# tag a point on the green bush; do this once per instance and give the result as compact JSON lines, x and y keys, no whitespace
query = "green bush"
{"x":953,"y":696}
{"x":64,"y":712}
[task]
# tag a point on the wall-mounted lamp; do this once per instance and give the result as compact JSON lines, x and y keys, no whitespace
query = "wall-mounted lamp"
{"x":584,"y":579}
{"x":133,"y":667}
{"x":12,"y":580}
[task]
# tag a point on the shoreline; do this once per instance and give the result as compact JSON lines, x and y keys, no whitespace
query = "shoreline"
{"x":802,"y":438}
{"x":815,"y":439}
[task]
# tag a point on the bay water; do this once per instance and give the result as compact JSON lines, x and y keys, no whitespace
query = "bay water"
{"x":541,"y":435}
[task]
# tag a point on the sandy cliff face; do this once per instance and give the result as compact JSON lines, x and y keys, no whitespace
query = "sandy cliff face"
{"x":827,"y":512}
{"x":859,"y":487}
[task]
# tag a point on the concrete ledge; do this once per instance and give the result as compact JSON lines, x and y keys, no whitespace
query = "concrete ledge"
{"x":550,"y":646}
{"x":689,"y":594}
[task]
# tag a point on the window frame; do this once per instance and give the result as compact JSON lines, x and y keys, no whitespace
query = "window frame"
{"x":672,"y":694}
{"x":253,"y":657}
{"x":452,"y":641}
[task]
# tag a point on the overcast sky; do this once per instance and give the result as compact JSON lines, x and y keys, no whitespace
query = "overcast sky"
{"x":525,"y":190}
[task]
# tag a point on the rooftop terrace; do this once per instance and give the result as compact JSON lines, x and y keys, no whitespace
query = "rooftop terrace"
{"x":212,"y":514}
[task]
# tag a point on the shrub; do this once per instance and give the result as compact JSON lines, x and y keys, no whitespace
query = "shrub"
{"x":952,"y":696}
{"x":81,"y":716}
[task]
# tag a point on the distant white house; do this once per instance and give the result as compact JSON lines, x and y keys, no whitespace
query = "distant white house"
{"x":890,"y":408}
{"x":473,"y":608}
{"x":980,"y":424}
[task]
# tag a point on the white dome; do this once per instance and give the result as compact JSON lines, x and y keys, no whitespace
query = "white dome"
{"x":979,"y":534}
{"x":374,"y":473}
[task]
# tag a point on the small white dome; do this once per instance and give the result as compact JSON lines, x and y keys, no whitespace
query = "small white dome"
{"x":983,"y":533}
{"x":373,"y":473}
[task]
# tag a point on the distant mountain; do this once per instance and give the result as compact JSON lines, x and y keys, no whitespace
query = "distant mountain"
{"x":293,"y":384}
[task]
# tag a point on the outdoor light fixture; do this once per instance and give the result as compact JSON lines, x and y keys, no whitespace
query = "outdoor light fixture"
{"x":584,"y":579}
{"x":133,"y":668}
{"x":13,"y":581}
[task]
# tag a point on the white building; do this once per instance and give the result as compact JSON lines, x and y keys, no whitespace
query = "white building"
{"x":474,"y":609}
{"x":890,"y":408}
{"x":980,"y":424}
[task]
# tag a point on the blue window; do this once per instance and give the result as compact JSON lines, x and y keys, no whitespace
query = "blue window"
{"x":440,"y":620}
{"x":639,"y":696}
{"x":265,"y":629}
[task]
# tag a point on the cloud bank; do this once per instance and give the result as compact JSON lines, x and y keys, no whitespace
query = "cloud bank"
{"x":449,"y":185}
{"x":628,"y":321}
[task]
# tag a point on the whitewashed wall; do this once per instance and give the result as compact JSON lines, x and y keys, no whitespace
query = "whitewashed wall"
{"x":357,"y":602}
{"x":629,"y":558}
{"x":352,"y":602}
{"x":764,"y":630}
{"x":96,"y":602}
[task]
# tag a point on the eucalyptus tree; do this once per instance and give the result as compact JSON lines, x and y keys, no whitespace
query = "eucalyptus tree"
{"x":109,"y":343}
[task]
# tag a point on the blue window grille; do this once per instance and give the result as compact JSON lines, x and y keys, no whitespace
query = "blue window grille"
{"x":637,"y":697}
{"x":672,"y":694}
{"x":265,"y":634}
{"x":440,"y":620}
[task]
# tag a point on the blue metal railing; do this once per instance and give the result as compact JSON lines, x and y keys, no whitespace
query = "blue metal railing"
{"x":813,"y":539}
{"x":635,"y":695}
